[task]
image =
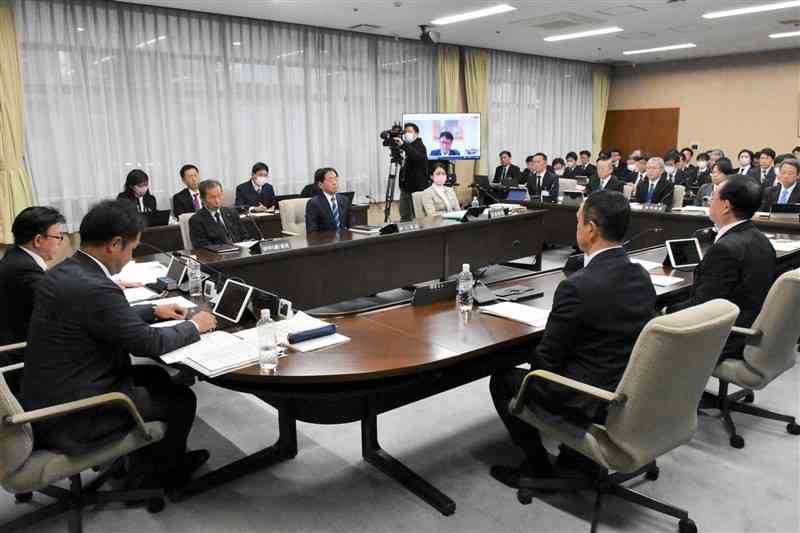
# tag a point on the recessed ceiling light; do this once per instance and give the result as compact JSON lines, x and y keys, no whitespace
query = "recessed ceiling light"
{"x":80,"y":29}
{"x":750,"y":10}
{"x":236,"y":43}
{"x":579,"y":35}
{"x":660,"y":49}
{"x":784,"y":35}
{"x":489,"y":11}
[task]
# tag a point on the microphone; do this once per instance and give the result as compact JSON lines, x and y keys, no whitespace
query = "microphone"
{"x":641,"y":234}
{"x":484,"y":191}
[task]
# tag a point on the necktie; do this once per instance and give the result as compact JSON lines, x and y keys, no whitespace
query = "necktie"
{"x":335,"y":211}
{"x":218,"y":218}
{"x":741,"y":170}
{"x":784,"y":196}
{"x":505,"y":172}
{"x":763,"y":176}
{"x":196,"y":201}
{"x":650,"y":193}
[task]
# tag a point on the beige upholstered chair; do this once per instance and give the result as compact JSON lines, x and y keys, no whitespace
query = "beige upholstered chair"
{"x":183,"y":222}
{"x":652,"y":411}
{"x":419,"y":208}
{"x":628,"y":189}
{"x":770,"y":350}
{"x":229,"y":196}
{"x":24,"y":470}
{"x":293,"y":216}
{"x":678,"y":194}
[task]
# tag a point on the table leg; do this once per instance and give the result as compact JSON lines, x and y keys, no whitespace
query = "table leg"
{"x":376,"y":456}
{"x":285,"y":448}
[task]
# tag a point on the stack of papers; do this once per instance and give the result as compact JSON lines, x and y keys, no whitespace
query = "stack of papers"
{"x":664,"y":281}
{"x":785,"y":245}
{"x":147,"y":272}
{"x":299,"y":322}
{"x":180,"y":300}
{"x":532,"y":316}
{"x":137,"y":294}
{"x":217,"y":352}
{"x":647,"y":265}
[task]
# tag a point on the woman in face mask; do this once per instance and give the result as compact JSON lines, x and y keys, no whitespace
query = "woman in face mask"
{"x":559,"y":167}
{"x":746,"y":163}
{"x":438,"y":198}
{"x":137,"y":190}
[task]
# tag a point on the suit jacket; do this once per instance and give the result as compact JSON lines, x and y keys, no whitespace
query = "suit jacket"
{"x":739,"y":267}
{"x":589,"y":170}
{"x":691,"y":171}
{"x":246,"y":195}
{"x":680,"y":177}
{"x":319,"y":216}
{"x":82,"y":332}
{"x":413,"y":175}
{"x":705,"y":190}
{"x":182,"y":203}
{"x":614,"y":184}
{"x":549,"y":183}
{"x":769,"y":182}
{"x":662,"y":194}
{"x":772,"y":195}
{"x":596,"y":317}
{"x":19,"y":275}
{"x":701,"y":177}
{"x":620,"y":171}
{"x":310,"y":191}
{"x":437,"y":152}
{"x":753,"y":172}
{"x":204,"y":229}
{"x":148,"y":200}
{"x":433,"y":203}
{"x":513,"y":176}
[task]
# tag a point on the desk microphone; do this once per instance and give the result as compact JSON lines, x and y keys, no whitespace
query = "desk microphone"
{"x":641,"y":234}
{"x":252,"y":220}
{"x":484,"y":191}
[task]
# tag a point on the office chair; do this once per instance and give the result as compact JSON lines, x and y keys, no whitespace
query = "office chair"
{"x":652,"y":411}
{"x":293,"y":216}
{"x":24,"y":470}
{"x":770,"y":350}
{"x":419,"y":207}
{"x":183,"y":222}
{"x":628,"y":190}
{"x":678,"y":193}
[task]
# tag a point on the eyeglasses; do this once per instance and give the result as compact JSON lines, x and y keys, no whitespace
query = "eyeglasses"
{"x":57,"y":237}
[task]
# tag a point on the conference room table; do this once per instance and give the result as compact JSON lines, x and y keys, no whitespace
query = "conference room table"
{"x":168,"y":237}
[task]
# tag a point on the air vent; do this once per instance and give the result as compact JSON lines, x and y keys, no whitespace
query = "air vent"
{"x":619,"y":11}
{"x":558,"y":21}
{"x":365,"y":27}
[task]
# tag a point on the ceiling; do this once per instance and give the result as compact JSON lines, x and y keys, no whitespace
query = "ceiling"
{"x":647,"y":24}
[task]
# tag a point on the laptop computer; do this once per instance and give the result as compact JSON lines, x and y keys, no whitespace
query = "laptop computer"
{"x":157,"y":218}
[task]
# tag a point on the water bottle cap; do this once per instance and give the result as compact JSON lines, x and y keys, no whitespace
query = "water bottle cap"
{"x":265,"y":313}
{"x":465,"y":267}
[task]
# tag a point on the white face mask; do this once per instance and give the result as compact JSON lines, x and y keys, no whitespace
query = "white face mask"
{"x":140,"y":190}
{"x":702,"y":165}
{"x":744,"y":161}
{"x":439,"y":178}
{"x":560,"y":172}
{"x":261,"y":181}
{"x":409,"y":137}
{"x":669,"y":169}
{"x":632,"y":168}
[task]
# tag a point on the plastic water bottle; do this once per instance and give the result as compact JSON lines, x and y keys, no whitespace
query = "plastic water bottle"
{"x":267,"y":343}
{"x":195,"y":280}
{"x":464,"y":297}
{"x":475,"y":201}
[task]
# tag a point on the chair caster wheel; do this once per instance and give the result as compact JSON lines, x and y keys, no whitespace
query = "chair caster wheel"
{"x":155,"y":505}
{"x":749,"y":398}
{"x":737,"y":442}
{"x":793,"y":428}
{"x":525,"y":496}
{"x":652,"y":475}
{"x":23,"y":497}
{"x":687,"y":526}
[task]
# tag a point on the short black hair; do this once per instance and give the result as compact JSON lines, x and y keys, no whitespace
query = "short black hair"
{"x":603,"y":155}
{"x":587,"y":153}
{"x":544,"y":155}
{"x":135,"y":177}
{"x":768,"y":151}
{"x":110,"y":219}
{"x":206,"y":185}
{"x":744,"y":194}
{"x":611,"y":213}
{"x":412,"y":126}
{"x":189,"y":166}
{"x":319,"y":175}
{"x":259,"y":166}
{"x":643,"y":157}
{"x":505,"y":152}
{"x":33,"y":221}
{"x":703,"y":157}
{"x":571,"y":155}
{"x":446,"y":134}
{"x":724,"y":165}
{"x":783,"y":157}
{"x":615,"y":150}
{"x":793,"y":162}
{"x":558,"y":161}
{"x":746,"y":151}
{"x":687,"y":149}
{"x":438,"y":165}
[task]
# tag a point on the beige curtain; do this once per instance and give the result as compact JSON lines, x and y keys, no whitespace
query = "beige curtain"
{"x":15,"y":189}
{"x":601,"y":76}
{"x":476,"y":85}
{"x":449,"y":92}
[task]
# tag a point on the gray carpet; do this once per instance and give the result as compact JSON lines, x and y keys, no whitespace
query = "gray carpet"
{"x":452,"y":439}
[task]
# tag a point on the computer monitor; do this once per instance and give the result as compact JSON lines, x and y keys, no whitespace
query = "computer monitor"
{"x":449,"y":136}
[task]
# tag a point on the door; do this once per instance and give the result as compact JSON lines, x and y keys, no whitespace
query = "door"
{"x":655,"y":131}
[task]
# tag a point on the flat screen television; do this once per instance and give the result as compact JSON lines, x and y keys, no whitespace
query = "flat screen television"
{"x":449,"y":136}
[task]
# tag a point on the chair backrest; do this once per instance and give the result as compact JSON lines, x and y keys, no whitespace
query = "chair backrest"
{"x":668,"y":370}
{"x":16,"y":442}
{"x":183,"y":222}
{"x":419,"y":207}
{"x":775,"y":351}
{"x":293,"y":215}
{"x":677,"y":196}
{"x":628,"y":189}
{"x":228,"y":197}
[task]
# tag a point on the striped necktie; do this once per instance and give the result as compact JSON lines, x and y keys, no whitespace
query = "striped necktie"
{"x":335,"y":210}
{"x":784,"y":196}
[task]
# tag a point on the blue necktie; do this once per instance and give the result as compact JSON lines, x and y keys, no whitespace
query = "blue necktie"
{"x":784,"y":196}
{"x":335,"y":211}
{"x":650,"y":193}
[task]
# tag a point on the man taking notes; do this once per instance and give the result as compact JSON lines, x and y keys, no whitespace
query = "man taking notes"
{"x":82,"y":332}
{"x":596,"y":317}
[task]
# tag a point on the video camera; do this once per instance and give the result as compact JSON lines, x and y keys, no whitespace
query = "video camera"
{"x":388,"y":136}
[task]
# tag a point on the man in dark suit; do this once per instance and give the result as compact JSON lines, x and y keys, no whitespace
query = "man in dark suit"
{"x":328,"y":211}
{"x":585,"y":166}
{"x":446,"y":143}
{"x":256,"y":193}
{"x":746,"y":168}
{"x":81,"y":334}
{"x":606,"y":180}
{"x":688,"y":164}
{"x":507,"y":174}
{"x":656,"y":189}
{"x":740,"y":266}
{"x":620,"y":169}
{"x":571,"y":160}
{"x":38,"y":234}
{"x":786,"y":190}
{"x":541,"y":182}
{"x":413,"y":176}
{"x":596,"y":317}
{"x":766,"y":173}
{"x":215,"y":224}
{"x":672,"y":169}
{"x":187,"y":200}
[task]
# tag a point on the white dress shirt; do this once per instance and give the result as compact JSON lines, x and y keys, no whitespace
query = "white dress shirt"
{"x":36,"y":257}
{"x":725,"y":229}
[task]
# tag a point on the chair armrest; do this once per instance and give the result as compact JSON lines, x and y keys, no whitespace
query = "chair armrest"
{"x":12,"y":347}
{"x":11,"y":368}
{"x":54,"y":411}
{"x":747,"y":332}
{"x":595,"y":392}
{"x":289,"y":233}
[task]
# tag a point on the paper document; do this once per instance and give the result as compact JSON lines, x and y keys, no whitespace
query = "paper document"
{"x":664,"y":281}
{"x":147,"y":272}
{"x":138,"y":294}
{"x":648,"y":265}
{"x":216,"y":352}
{"x":533,"y":316}
{"x":180,"y":300}
{"x":454,"y":215}
{"x":299,"y":322}
{"x":785,"y":245}
{"x":244,"y":244}
{"x":166,"y":323}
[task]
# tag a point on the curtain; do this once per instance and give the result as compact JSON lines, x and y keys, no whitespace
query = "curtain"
{"x":448,"y":69}
{"x":601,"y":76}
{"x":110,"y":87}
{"x":476,"y":82}
{"x":538,"y":104}
{"x":15,"y":193}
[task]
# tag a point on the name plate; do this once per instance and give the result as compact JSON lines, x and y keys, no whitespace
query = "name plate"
{"x":275,"y":245}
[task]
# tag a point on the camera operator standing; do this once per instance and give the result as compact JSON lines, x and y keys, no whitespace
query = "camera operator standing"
{"x":414,"y":173}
